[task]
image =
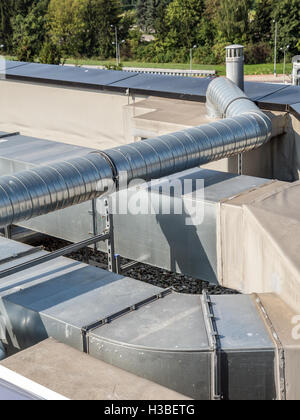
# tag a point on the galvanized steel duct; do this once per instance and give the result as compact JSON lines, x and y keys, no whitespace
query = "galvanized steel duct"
{"x":46,"y":189}
{"x":49,"y":188}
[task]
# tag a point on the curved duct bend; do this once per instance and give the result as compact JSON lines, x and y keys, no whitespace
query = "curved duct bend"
{"x":54,"y":187}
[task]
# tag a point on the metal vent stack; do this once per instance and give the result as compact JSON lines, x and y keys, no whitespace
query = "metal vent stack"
{"x":235,"y":64}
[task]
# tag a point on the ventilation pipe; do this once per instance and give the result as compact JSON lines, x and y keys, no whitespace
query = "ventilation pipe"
{"x":54,"y":187}
{"x":234,"y":72}
{"x":235,"y":64}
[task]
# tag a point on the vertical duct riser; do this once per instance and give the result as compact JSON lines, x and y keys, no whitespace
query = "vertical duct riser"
{"x":235,"y":65}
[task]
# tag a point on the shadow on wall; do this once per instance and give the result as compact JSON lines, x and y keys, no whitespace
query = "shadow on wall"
{"x":278,"y":159}
{"x":191,"y":243}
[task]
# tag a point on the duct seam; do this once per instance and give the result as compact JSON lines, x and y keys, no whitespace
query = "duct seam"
{"x":279,"y":348}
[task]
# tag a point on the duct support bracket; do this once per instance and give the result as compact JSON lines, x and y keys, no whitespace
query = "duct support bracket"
{"x":53,"y":255}
{"x":279,"y":349}
{"x":110,"y":242}
{"x":214,"y":339}
{"x":93,"y":213}
{"x":85,"y":331}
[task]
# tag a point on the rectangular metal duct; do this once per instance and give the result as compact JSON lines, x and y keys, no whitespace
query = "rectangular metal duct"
{"x":166,"y":241}
{"x":166,"y":340}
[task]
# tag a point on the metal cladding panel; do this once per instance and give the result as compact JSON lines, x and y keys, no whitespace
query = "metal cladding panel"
{"x":257,"y":91}
{"x":9,"y":249}
{"x":37,"y":152}
{"x":8,"y":64}
{"x":166,"y":240}
{"x":174,"y":323}
{"x":68,"y":74}
{"x":60,"y":297}
{"x":187,"y":373}
{"x":239,"y":324}
{"x":170,"y":84}
{"x":248,"y":352}
{"x":165,"y":341}
{"x":296,"y":108}
{"x":288,"y":96}
{"x":249,"y":375}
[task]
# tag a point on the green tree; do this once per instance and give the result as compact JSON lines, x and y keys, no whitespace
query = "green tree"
{"x":141,"y":13}
{"x":261,"y":25}
{"x":287,"y":14}
{"x":103,"y":16}
{"x":233,"y":20}
{"x":183,"y":18}
{"x":151,"y":14}
{"x":29,"y":31}
{"x":129,"y":4}
{"x":67,"y":26}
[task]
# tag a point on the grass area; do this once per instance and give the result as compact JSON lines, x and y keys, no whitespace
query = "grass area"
{"x":250,"y":69}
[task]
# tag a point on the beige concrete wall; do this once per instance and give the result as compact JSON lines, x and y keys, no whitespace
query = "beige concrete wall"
{"x":260,"y":242}
{"x":81,"y":117}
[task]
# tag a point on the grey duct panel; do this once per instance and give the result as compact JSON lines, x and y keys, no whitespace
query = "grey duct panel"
{"x":60,"y":297}
{"x":248,"y":357}
{"x":188,"y":249}
{"x":166,"y":340}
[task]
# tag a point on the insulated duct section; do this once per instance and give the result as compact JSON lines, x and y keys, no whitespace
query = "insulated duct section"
{"x":54,"y":187}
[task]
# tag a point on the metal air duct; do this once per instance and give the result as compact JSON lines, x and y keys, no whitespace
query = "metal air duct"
{"x":46,"y":189}
{"x":235,"y":64}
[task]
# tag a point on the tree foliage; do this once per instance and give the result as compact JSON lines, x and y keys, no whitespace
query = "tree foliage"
{"x":50,"y":29}
{"x":103,"y":17}
{"x":29,"y":30}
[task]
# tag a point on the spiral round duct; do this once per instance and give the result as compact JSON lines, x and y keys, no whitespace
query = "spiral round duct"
{"x":46,"y":189}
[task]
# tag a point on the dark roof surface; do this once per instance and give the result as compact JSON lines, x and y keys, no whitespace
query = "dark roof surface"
{"x":268,"y":96}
